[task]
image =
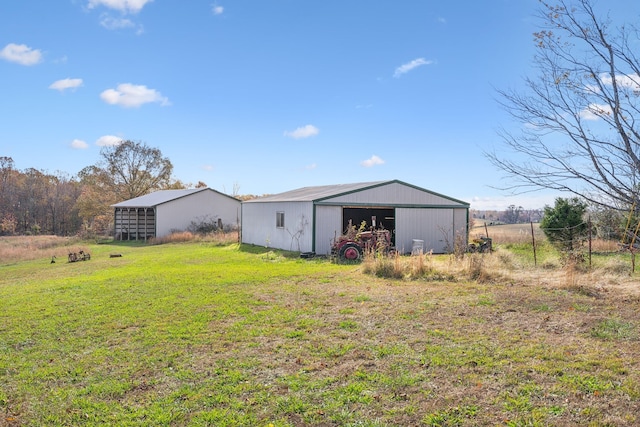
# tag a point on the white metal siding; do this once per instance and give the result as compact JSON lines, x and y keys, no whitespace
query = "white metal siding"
{"x":259,"y":225}
{"x":460,"y":226}
{"x":178,"y":214}
{"x":420,"y":215}
{"x":328,"y":227}
{"x":392,"y":194}
{"x":433,"y":226}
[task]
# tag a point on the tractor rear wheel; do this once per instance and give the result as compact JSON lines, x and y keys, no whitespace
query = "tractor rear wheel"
{"x":351,"y":252}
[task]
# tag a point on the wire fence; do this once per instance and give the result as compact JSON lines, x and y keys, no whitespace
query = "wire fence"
{"x":580,"y":239}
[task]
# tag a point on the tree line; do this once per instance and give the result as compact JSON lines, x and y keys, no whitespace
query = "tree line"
{"x":37,"y":202}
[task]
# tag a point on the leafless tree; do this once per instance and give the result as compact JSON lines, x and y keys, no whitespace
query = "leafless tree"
{"x":578,"y":115}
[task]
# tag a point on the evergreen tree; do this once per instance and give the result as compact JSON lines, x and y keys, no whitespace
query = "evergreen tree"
{"x":564,"y":223}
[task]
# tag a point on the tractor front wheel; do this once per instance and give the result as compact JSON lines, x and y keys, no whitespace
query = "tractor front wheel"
{"x":351,"y":252}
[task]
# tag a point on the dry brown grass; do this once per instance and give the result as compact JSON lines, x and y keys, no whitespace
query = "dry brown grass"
{"x":221,"y":238}
{"x":601,"y":245}
{"x":503,"y":267}
{"x":508,"y":233}
{"x":22,"y":248}
{"x":26,"y":248}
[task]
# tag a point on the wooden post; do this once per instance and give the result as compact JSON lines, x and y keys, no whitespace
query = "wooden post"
{"x":486,"y":230}
{"x":533,"y":240}
{"x":590,"y":239}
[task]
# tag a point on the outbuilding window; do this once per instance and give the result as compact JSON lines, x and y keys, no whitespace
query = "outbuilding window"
{"x":279,"y":219}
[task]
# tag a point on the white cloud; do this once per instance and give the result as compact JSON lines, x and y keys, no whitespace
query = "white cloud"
{"x":405,"y":68}
{"x":372,"y":161}
{"x":595,"y":111}
{"x":21,"y":54}
{"x":64,"y":84}
{"x":312,"y":166}
{"x":631,"y":81}
{"x":124,"y":6}
{"x":128,"y":95}
{"x":111,"y":23}
{"x":207,"y":168}
{"x":303,"y":132}
{"x":108,"y":141}
{"x":79,"y":144}
{"x":217,"y":10}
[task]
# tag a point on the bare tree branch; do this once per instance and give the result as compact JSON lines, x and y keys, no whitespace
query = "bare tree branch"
{"x":578,"y":115}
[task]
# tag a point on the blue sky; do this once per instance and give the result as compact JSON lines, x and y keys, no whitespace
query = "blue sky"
{"x":268,"y":96}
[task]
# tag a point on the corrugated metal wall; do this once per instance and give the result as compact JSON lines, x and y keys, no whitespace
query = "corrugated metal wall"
{"x":435,"y":227}
{"x":328,"y":227}
{"x":460,"y":223}
{"x":178,"y":214}
{"x":259,"y":225}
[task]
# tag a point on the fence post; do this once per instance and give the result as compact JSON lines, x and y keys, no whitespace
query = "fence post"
{"x":533,"y":240}
{"x":590,"y":240}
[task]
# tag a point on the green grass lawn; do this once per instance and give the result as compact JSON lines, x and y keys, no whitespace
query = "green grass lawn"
{"x":197,"y":334}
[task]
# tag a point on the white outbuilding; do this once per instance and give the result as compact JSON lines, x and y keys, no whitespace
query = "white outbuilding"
{"x":309,"y":219}
{"x":160,"y":213}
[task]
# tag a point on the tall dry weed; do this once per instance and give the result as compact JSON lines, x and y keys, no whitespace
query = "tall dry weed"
{"x":381,"y":265}
{"x":601,"y":245}
{"x":421,"y":264}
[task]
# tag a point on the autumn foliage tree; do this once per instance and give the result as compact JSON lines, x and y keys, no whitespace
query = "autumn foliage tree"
{"x":135,"y":169}
{"x":127,"y":170}
{"x":37,"y":202}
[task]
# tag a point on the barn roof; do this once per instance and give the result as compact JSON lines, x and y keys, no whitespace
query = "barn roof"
{"x":159,"y":197}
{"x":310,"y":194}
{"x":318,"y":193}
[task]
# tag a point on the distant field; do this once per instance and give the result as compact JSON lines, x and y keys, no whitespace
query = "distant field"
{"x":522,"y":234}
{"x":507,"y":233}
{"x":204,"y":334}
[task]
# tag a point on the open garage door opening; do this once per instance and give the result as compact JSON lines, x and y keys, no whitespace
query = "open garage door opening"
{"x":375,"y":218}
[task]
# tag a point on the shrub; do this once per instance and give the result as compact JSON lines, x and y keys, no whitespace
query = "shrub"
{"x":204,"y":225}
{"x":564,"y":225}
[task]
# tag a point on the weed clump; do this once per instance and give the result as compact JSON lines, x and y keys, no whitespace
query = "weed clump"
{"x":616,"y":267}
{"x":389,"y":267}
{"x":507,"y":259}
{"x":394,"y":266}
{"x":482,"y":268}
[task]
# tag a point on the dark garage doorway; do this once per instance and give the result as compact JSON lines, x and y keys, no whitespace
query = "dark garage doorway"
{"x":384,"y":218}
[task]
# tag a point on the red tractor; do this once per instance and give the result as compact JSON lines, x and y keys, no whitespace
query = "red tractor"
{"x":352,"y":246}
